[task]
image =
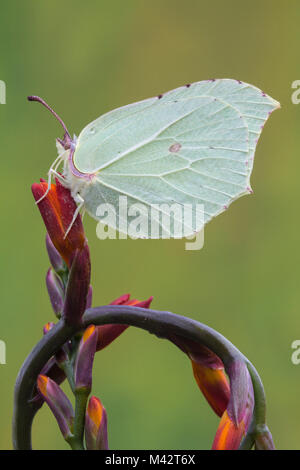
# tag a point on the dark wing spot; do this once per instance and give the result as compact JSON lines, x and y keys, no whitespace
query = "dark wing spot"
{"x":160,"y":96}
{"x":188,"y":85}
{"x":175,"y":148}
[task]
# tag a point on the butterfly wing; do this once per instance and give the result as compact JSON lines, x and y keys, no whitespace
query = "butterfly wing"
{"x":193,"y":146}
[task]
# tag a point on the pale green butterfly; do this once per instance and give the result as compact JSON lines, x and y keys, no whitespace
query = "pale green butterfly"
{"x":192,"y":146}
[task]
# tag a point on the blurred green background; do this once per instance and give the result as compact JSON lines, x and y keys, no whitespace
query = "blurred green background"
{"x":86,"y":58}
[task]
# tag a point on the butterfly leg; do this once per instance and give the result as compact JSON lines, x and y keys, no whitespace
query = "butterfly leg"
{"x":52,"y":172}
{"x":80,"y":202}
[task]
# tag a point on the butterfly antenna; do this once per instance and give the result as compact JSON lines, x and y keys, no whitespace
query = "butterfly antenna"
{"x":40,"y":100}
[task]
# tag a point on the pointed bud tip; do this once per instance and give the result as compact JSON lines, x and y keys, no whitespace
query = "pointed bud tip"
{"x":85,"y":358}
{"x":145,"y":303}
{"x":55,"y":291}
{"x":96,"y":425}
{"x":58,"y":402}
{"x":56,"y":260}
{"x":95,"y":410}
{"x":42,"y":382}
{"x":88,"y":332}
{"x":121,"y":300}
{"x":228,"y":436}
{"x":48,"y":327}
{"x":241,"y":391}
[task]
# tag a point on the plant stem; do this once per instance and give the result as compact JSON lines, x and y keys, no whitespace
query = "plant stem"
{"x":24,"y":411}
{"x":81,"y":397}
{"x":68,"y":370}
{"x":259,"y":413}
{"x":159,"y":323}
{"x":74,"y":443}
{"x":258,"y":424}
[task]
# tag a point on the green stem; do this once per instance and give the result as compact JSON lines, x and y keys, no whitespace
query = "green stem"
{"x":68,"y":369}
{"x":259,"y":413}
{"x":74,"y":443}
{"x":258,"y":424}
{"x":248,"y":441}
{"x":81,"y":398}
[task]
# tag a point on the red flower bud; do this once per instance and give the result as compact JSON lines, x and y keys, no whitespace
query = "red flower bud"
{"x":236,"y":419}
{"x":78,"y":286}
{"x":57,"y":209}
{"x":108,"y":333}
{"x":208,"y":371}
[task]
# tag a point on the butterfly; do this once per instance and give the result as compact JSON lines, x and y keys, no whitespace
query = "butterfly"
{"x":190,"y":147}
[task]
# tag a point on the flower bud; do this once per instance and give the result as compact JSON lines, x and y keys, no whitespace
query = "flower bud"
{"x":214,"y":385}
{"x":55,"y":291}
{"x":85,"y":359}
{"x":56,"y":260}
{"x":208,"y":371}
{"x":241,"y":390}
{"x":59,"y":404}
{"x":89,"y":298}
{"x":229,"y":435}
{"x":57,"y":209}
{"x":236,"y":419}
{"x":96,"y":425}
{"x":108,"y":333}
{"x":48,"y":327}
{"x":78,"y":286}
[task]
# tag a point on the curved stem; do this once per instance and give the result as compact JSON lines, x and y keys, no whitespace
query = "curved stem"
{"x":258,"y":424}
{"x":24,"y":410}
{"x":259,"y":413}
{"x":159,"y":323}
{"x":162,"y":324}
{"x":190,"y":329}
